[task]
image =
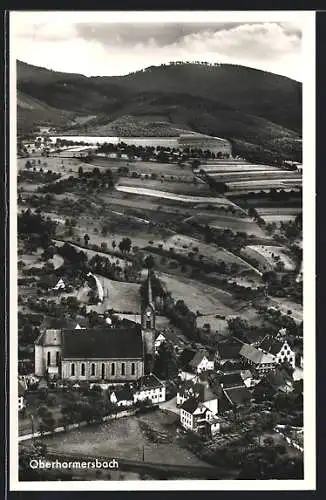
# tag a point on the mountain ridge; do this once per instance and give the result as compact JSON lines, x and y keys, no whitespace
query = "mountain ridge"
{"x":230,"y":101}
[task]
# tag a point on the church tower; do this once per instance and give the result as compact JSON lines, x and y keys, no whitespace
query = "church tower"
{"x":148,"y":326}
{"x":148,"y":310}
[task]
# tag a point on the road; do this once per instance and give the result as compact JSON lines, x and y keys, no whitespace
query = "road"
{"x":170,"y":405}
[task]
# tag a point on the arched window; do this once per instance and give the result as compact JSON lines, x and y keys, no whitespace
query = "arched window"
{"x":113,"y":369}
{"x":48,"y":358}
{"x":92,"y":369}
{"x":82,"y":369}
{"x":123,"y":369}
{"x":103,"y":371}
{"x":72,"y":369}
{"x":133,"y":368}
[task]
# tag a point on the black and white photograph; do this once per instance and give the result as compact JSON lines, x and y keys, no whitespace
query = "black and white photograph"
{"x":162,"y":239}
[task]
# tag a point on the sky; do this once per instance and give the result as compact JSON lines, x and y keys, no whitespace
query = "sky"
{"x":119,"y":43}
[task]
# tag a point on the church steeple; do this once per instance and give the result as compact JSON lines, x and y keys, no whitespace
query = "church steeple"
{"x":148,"y":312}
{"x":150,"y":294}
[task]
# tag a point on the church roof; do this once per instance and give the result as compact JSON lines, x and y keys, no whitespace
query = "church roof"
{"x":102,"y":343}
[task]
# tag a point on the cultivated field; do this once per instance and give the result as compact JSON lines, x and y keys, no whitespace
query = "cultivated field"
{"x":268,"y":256}
{"x":171,"y":196}
{"x":55,"y":163}
{"x":91,"y":253}
{"x":278,"y":214}
{"x":207,"y":299}
{"x":183,"y":245}
{"x":146,"y":168}
{"x":249,"y":185}
{"x":285,"y":305}
{"x":199,"y":188}
{"x":236,"y":224}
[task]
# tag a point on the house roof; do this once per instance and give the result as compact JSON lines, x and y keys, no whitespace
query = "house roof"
{"x":228,"y":350}
{"x":150,"y":382}
{"x":190,"y":405}
{"x":238,"y":395}
{"x":198,"y":357}
{"x":123,"y":394}
{"x":205,"y":393}
{"x":51,"y":336}
{"x":272,"y":345}
{"x":279,"y":379}
{"x":102,"y":343}
{"x":59,"y":323}
{"x":21,"y":388}
{"x":231,"y":379}
{"x":255,"y":355}
{"x":186,"y":356}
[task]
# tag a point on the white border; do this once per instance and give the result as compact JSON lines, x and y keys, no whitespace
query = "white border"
{"x":307,"y":20}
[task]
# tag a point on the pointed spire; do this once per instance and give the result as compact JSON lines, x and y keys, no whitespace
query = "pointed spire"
{"x":150,"y":294}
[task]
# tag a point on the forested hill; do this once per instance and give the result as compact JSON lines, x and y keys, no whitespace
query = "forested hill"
{"x":243,"y":104}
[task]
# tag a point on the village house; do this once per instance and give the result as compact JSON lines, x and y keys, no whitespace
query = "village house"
{"x":201,"y":417}
{"x":186,"y":390}
{"x":160,"y":339}
{"x":21,"y":395}
{"x":149,"y":387}
{"x":122,"y":397}
{"x":279,"y":347}
{"x":276,"y":381}
{"x":193,"y":363}
{"x":257,"y":359}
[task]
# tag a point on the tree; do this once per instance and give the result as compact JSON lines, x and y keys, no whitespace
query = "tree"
{"x":86,"y":239}
{"x":149,"y":261}
{"x":125,"y":245}
{"x":47,"y":422}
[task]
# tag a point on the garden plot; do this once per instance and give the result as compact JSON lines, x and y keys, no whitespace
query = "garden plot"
{"x":269,"y":256}
{"x":183,"y":245}
{"x":199,"y":187}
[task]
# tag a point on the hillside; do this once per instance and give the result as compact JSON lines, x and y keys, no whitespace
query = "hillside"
{"x":238,"y":103}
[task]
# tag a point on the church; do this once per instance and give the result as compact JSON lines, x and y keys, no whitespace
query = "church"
{"x":106,"y":353}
